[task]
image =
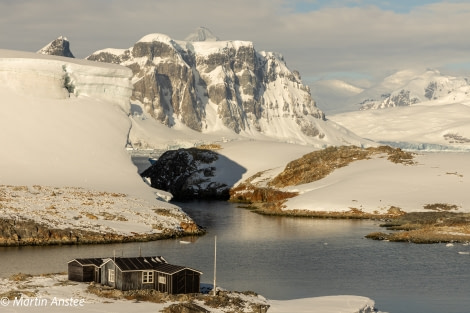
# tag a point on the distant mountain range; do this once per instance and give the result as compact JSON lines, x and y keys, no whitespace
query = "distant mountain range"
{"x":403,"y":88}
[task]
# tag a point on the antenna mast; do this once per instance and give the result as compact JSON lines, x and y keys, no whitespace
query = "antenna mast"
{"x":215,"y":264}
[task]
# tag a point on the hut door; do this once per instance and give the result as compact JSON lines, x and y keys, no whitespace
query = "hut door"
{"x":181,"y":283}
{"x":97,"y":275}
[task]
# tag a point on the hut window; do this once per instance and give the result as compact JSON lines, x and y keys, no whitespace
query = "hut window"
{"x":147,"y":277}
{"x":111,"y":276}
{"x":161,"y":279}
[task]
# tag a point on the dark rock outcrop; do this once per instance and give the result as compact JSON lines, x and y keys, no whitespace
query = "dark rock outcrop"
{"x":188,"y":174}
{"x":59,"y":46}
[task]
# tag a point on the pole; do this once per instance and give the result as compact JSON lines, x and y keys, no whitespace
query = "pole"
{"x":215,"y":264}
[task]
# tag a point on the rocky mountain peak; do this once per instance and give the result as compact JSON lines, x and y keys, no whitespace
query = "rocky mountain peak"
{"x":59,"y":46}
{"x":202,"y":34}
{"x":213,"y":85}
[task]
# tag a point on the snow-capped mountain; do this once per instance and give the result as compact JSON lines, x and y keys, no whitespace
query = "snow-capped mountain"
{"x":210,"y":86}
{"x":403,"y":88}
{"x":406,"y":88}
{"x":59,"y":46}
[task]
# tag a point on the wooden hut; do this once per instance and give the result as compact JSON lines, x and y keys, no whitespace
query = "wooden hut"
{"x":85,"y":270}
{"x":149,"y":273}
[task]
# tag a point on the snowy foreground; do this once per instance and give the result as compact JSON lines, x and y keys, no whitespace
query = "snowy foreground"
{"x":56,"y":143}
{"x":53,"y":293}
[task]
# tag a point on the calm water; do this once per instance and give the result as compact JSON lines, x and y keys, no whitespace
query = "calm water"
{"x":286,"y":258}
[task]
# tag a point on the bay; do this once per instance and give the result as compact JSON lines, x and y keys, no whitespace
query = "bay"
{"x":289,"y":258}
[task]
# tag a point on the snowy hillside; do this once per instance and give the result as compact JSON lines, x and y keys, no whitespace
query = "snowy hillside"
{"x":430,"y":125}
{"x":223,"y":87}
{"x":65,"y":125}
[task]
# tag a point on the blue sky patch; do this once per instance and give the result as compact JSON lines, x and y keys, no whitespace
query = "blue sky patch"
{"x":397,"y":6}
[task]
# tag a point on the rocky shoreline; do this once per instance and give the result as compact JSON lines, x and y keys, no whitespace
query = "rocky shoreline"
{"x":30,"y":233}
{"x":44,"y":215}
{"x":426,"y":227}
{"x":414,"y":227}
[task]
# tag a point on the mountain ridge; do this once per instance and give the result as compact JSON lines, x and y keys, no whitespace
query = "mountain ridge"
{"x":180,"y":81}
{"x":211,"y":86}
{"x":218,"y":88}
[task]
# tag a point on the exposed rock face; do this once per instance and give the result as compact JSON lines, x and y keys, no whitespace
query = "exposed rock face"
{"x":399,"y":99}
{"x":203,"y":84}
{"x":15,"y":232}
{"x":59,"y":46}
{"x":187,"y":174}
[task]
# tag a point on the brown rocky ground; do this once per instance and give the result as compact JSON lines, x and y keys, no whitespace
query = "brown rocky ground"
{"x":427,"y":227}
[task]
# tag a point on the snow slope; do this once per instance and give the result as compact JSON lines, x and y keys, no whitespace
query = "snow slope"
{"x":375,"y":185}
{"x":59,"y":138}
{"x":431,"y":125}
{"x":51,"y":137}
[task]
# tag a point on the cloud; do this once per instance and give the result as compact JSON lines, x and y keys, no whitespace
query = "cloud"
{"x":341,"y":38}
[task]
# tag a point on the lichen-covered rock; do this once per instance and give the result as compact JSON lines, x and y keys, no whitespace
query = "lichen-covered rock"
{"x":187,"y":174}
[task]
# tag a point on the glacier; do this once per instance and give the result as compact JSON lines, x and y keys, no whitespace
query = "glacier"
{"x":56,"y":77}
{"x":61,"y":111}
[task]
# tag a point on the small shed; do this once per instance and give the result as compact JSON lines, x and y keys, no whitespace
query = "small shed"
{"x":149,"y":273}
{"x":85,"y":270}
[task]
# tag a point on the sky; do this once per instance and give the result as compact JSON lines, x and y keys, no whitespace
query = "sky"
{"x":345,"y":39}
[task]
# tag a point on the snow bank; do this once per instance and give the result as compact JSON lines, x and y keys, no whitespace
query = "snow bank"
{"x":343,"y":304}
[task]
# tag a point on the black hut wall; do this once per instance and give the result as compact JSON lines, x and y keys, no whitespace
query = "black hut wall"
{"x":185,"y":281}
{"x":82,"y":273}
